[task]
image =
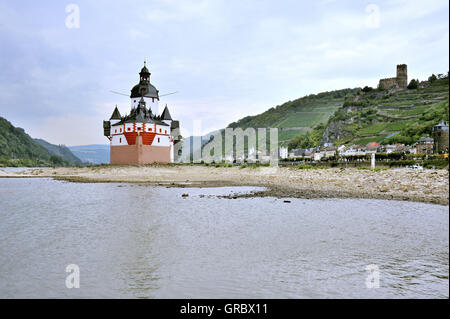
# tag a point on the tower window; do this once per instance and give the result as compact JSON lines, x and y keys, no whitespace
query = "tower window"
{"x":158,"y":140}
{"x":120,"y":141}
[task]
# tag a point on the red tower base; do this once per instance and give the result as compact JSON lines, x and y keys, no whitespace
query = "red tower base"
{"x":139,"y":154}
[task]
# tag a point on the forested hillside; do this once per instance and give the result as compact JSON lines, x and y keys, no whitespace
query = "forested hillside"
{"x":17,"y":148}
{"x":299,"y":116}
{"x":60,"y":150}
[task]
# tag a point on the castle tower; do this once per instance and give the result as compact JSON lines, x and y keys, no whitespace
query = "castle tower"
{"x":441,"y":136}
{"x":142,"y":137}
{"x":402,"y":76}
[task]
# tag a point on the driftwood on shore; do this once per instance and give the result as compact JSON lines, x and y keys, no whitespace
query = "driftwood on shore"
{"x":429,"y":186}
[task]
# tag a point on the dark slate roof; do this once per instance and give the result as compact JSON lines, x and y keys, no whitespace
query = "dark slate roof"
{"x":144,"y":69}
{"x":144,"y":89}
{"x":140,"y":114}
{"x":442,"y":125}
{"x":166,"y":114}
{"x":116,"y":115}
{"x":425,"y":139}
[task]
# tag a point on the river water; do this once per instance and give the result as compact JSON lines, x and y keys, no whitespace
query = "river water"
{"x":142,"y":241}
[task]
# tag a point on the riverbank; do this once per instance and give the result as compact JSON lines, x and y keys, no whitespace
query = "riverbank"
{"x":428,"y":186}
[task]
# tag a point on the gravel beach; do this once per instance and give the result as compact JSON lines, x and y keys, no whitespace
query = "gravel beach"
{"x":428,"y":186}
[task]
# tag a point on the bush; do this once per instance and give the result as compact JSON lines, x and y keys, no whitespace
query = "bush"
{"x":414,"y":84}
{"x":432,"y":78}
{"x":56,"y":160}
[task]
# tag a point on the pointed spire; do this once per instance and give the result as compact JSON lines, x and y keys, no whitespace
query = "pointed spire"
{"x":166,"y":114}
{"x":116,"y":114}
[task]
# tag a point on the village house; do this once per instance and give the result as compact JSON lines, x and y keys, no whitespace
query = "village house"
{"x":372,"y":148}
{"x":353,"y":150}
{"x":301,"y":153}
{"x":328,"y":151}
{"x":424,"y":145}
{"x":341,"y":149}
{"x":394,"y":148}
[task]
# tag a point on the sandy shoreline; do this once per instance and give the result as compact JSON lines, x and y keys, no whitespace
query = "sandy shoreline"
{"x":428,"y":186}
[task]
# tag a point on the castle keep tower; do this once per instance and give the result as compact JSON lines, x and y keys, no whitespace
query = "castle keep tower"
{"x":143,"y":136}
{"x":402,"y":76}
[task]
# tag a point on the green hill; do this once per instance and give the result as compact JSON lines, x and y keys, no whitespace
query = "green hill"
{"x":60,"y":150}
{"x":17,"y":148}
{"x":299,"y":116}
{"x":383,"y":116}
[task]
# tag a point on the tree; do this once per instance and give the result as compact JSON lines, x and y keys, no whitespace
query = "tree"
{"x":414,"y":84}
{"x":56,"y":160}
{"x":432,"y":78}
{"x":367,"y":89}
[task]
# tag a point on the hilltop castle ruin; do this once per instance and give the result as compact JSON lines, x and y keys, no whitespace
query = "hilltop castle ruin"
{"x":399,"y":82}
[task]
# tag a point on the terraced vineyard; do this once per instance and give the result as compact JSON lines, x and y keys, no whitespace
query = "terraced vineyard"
{"x":351,"y":116}
{"x":401,"y":117}
{"x":297,"y":117}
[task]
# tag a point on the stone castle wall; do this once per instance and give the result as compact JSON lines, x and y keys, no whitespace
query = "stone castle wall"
{"x":400,"y":81}
{"x":388,"y":83}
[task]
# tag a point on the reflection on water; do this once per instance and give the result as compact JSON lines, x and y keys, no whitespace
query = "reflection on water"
{"x":150,"y":242}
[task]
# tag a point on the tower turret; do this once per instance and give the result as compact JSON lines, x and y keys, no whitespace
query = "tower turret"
{"x":145,"y":74}
{"x":146,"y":90}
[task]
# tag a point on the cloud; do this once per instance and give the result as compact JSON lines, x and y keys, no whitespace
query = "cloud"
{"x":226,"y":59}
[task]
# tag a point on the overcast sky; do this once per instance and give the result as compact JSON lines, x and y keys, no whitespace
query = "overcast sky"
{"x":227,"y":59}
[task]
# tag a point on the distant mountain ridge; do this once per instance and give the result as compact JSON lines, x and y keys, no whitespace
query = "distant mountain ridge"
{"x":94,"y":153}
